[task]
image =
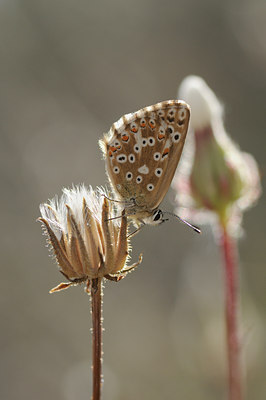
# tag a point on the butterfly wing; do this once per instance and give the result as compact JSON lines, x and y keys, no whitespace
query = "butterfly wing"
{"x":143,"y":149}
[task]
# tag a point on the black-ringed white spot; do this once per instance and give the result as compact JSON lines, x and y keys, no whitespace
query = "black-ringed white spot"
{"x":176,"y":137}
{"x":137,"y":148}
{"x":129,"y":176}
{"x":131,"y":158}
{"x":157,"y":156}
{"x":122,"y":158}
{"x":170,"y":129}
{"x":162,"y":130}
{"x":139,"y":179}
{"x":144,"y":142}
{"x":171,"y":112}
{"x":116,"y":143}
{"x":160,"y":113}
{"x":150,"y":187}
{"x":181,"y":114}
{"x":116,"y":170}
{"x":151,"y":141}
{"x":158,"y":172}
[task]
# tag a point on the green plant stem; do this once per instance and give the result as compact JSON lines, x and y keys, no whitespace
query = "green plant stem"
{"x":228,"y":248}
{"x":96,"y":310}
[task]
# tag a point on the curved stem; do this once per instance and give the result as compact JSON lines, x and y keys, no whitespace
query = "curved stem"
{"x":96,"y":310}
{"x":228,"y":248}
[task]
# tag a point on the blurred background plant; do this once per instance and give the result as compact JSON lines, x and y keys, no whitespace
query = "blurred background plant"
{"x":214,"y":185}
{"x":68,"y":71}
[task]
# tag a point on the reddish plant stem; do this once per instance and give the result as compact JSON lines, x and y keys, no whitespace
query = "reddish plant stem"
{"x":228,"y":248}
{"x":96,"y":310}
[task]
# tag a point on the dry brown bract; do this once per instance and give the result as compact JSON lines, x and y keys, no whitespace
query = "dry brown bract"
{"x":86,"y":240}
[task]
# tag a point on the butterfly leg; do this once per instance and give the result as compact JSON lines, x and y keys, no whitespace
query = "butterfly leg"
{"x":126,"y":204}
{"x":119,"y":216}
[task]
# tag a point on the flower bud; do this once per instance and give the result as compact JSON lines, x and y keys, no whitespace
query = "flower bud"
{"x":218,"y":177}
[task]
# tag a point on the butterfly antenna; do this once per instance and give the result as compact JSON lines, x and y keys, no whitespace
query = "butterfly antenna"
{"x":108,"y":198}
{"x":195,"y":228}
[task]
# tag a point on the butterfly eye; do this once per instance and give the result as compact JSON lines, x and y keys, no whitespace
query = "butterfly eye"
{"x":157,"y":215}
{"x":139,"y":179}
{"x":129,"y":176}
{"x":150,"y":187}
{"x":151,"y":141}
{"x":157,"y":156}
{"x":158,"y":172}
{"x":176,"y":137}
{"x":116,"y":170}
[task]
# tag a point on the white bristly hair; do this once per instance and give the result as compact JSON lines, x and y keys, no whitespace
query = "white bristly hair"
{"x":55,"y":211}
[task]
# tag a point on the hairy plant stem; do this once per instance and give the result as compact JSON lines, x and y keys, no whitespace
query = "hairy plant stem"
{"x":235,"y":378}
{"x":96,"y":311}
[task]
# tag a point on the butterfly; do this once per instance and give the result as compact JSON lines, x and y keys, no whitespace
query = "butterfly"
{"x":142,"y":150}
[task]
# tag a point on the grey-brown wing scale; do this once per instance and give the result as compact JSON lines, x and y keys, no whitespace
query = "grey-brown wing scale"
{"x":143,"y":149}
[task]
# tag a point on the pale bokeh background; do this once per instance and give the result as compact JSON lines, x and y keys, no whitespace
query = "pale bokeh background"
{"x":68,"y":70}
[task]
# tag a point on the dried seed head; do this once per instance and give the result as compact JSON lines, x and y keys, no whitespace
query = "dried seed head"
{"x":87,"y":242}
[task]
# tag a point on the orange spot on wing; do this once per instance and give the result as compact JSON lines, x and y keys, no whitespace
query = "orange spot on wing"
{"x":161,"y":136}
{"x":113,"y":149}
{"x":143,"y":124}
{"x":134,"y":130}
{"x":118,"y":147}
{"x":165,"y":152}
{"x":125,"y":138}
{"x":152,"y":124}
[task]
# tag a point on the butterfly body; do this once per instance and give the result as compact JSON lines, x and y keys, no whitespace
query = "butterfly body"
{"x":142,"y":151}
